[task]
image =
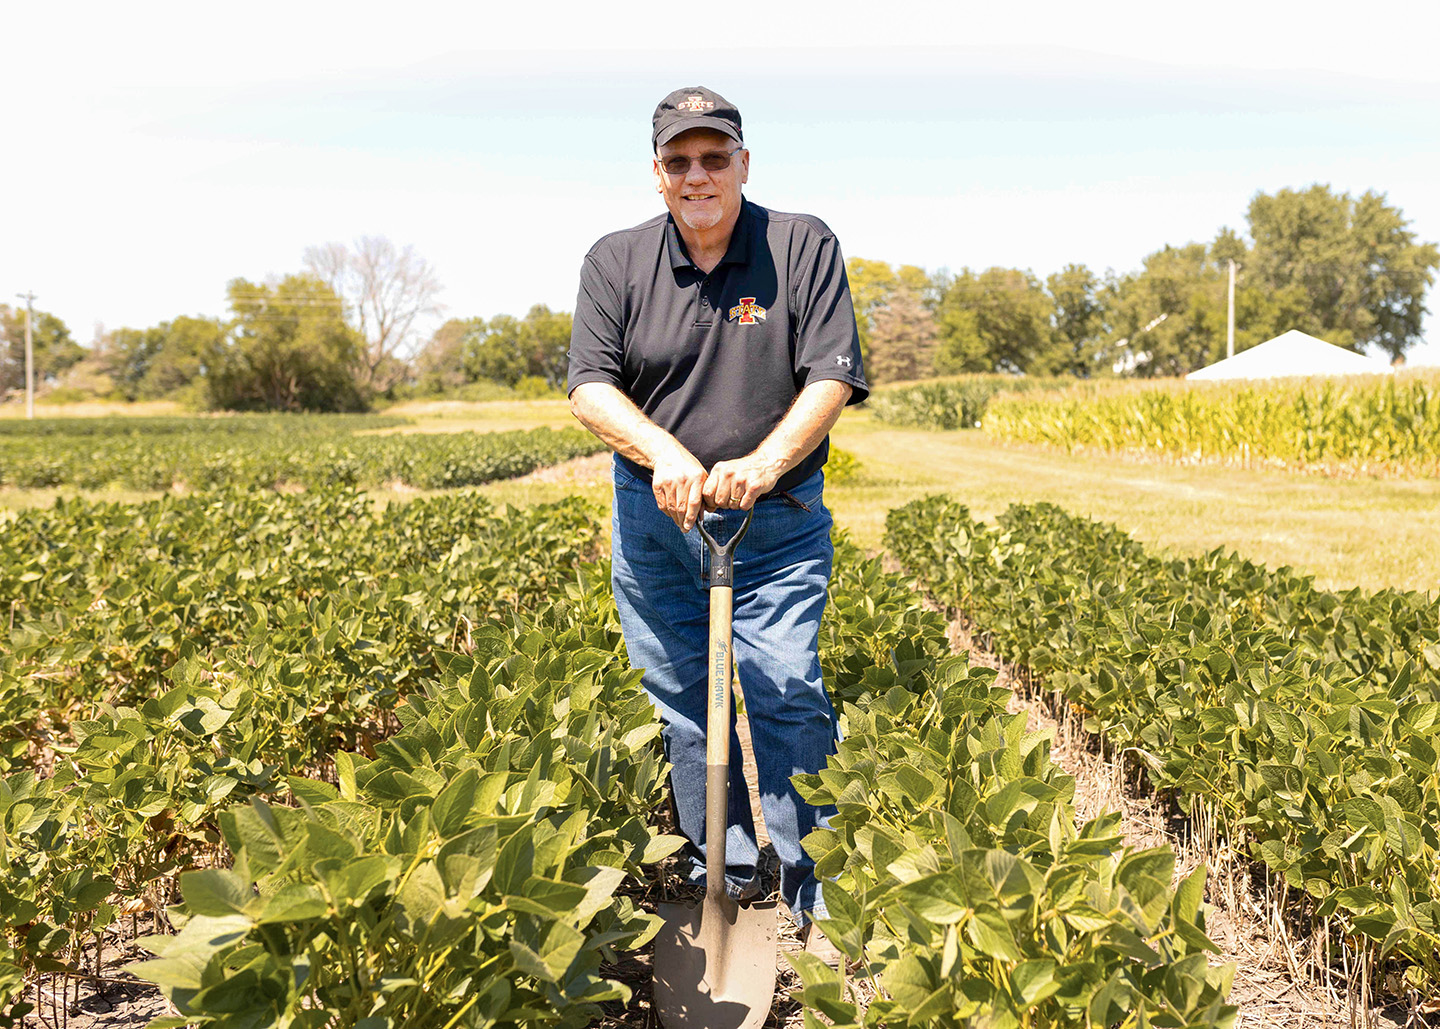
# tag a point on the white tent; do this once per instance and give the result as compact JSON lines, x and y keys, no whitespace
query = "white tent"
{"x":1289,"y":354}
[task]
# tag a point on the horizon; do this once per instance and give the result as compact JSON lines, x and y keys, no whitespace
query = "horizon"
{"x":163,"y":179}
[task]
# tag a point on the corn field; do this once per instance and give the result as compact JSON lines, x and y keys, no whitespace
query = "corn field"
{"x":1362,"y":424}
{"x":957,"y":403}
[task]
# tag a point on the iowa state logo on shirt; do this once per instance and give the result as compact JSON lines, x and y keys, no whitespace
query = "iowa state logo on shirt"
{"x":747,"y":311}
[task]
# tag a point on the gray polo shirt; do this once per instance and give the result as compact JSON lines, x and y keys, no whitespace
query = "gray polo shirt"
{"x":717,"y":359}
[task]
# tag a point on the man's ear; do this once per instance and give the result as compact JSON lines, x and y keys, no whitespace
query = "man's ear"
{"x":745,"y":166}
{"x":659,"y":175}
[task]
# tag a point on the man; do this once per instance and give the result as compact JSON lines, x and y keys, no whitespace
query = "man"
{"x":713,"y":349}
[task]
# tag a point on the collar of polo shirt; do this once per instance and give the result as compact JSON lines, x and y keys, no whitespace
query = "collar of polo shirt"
{"x":738,"y":252}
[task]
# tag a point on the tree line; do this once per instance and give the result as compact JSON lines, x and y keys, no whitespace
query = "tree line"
{"x":337,"y":336}
{"x":341,"y":334}
{"x":1346,"y":269}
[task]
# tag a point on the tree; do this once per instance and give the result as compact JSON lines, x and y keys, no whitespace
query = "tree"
{"x":545,"y":344}
{"x":289,"y":350}
{"x":385,"y":290}
{"x":189,"y":345}
{"x":52,"y":348}
{"x":146,"y":364}
{"x":1170,"y":316}
{"x":439,"y":367}
{"x":492,"y":350}
{"x":1355,"y":261}
{"x":995,"y":321}
{"x":902,"y":339}
{"x":1079,"y":321}
{"x":127,"y":355}
{"x":506,"y":349}
{"x":871,"y":285}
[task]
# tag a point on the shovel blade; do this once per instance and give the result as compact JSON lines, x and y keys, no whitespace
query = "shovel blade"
{"x":715,"y":965}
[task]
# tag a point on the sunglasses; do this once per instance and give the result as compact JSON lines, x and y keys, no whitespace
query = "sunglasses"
{"x":713,"y":161}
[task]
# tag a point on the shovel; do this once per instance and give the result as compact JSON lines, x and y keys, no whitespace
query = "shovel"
{"x":715,"y":961}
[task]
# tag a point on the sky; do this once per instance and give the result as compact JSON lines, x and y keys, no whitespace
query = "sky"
{"x":158,"y":150}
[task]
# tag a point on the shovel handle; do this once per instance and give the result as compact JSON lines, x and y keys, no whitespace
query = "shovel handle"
{"x":717,"y":708}
{"x":717,"y":740}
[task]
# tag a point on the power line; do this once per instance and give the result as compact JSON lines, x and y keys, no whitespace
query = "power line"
{"x":286,"y":302}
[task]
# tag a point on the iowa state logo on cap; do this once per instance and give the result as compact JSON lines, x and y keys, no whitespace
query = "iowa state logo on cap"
{"x":747,"y":311}
{"x":695,"y":102}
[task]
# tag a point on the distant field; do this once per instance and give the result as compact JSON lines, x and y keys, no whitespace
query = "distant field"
{"x":492,"y":416}
{"x":271,"y":450}
{"x":1347,"y":532}
{"x":1359,"y":531}
{"x":92,"y":409}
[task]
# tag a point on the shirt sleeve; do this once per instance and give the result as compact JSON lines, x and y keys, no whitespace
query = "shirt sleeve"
{"x":597,"y":335}
{"x":827,"y":342}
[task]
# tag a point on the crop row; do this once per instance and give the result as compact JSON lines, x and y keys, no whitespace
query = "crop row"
{"x":215,"y":681}
{"x":1304,"y":723}
{"x":171,"y":660}
{"x":1369,"y":423}
{"x":949,"y":403}
{"x":329,"y":602}
{"x":956,"y":875}
{"x":272,"y":455}
{"x":291,"y":425}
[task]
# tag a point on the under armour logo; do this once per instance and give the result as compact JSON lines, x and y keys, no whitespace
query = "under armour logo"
{"x":844,"y":360}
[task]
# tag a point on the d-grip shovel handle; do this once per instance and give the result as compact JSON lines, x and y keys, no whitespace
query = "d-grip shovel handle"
{"x":717,"y":713}
{"x":722,"y":559}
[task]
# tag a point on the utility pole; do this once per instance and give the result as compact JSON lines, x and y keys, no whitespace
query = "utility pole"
{"x":29,"y":299}
{"x":1230,"y":317}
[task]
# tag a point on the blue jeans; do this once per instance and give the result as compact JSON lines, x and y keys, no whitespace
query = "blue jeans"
{"x":782,"y":571}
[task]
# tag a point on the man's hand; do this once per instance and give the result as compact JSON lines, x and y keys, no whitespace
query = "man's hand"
{"x":739,"y":483}
{"x":678,"y":482}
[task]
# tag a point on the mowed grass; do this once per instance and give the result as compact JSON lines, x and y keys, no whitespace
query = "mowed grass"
{"x":1367,"y":532}
{"x":92,"y":409}
{"x":491,"y":416}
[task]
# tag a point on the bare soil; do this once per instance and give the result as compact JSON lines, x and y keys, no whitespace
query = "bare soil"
{"x":114,"y":998}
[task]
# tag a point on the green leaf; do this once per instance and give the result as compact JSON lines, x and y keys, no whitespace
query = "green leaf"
{"x":1033,"y":981}
{"x":660,"y":847}
{"x":915,"y":864}
{"x":355,"y":880}
{"x":815,"y":973}
{"x":600,"y":885}
{"x":345,"y":775}
{"x":550,"y":957}
{"x":421,"y":898}
{"x":312,"y":791}
{"x":908,"y":981}
{"x":214,"y":891}
{"x":1188,"y":895}
{"x":991,"y":935}
{"x":294,"y":902}
{"x":455,"y":804}
{"x":936,"y":898}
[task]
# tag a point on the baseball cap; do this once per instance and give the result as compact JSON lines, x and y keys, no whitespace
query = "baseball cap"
{"x":694,"y":107}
